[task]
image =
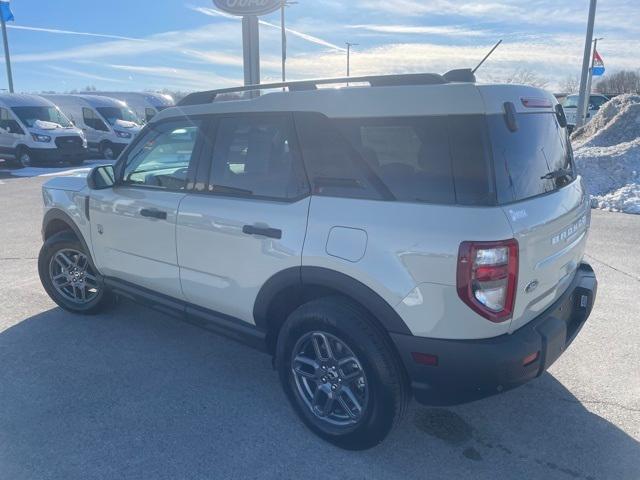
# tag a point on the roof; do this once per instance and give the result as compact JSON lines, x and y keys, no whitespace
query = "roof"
{"x":20,"y":100}
{"x":448,"y":98}
{"x":92,"y":100}
{"x":155,"y":99}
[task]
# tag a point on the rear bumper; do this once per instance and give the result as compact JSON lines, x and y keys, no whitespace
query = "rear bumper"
{"x":468,"y":370}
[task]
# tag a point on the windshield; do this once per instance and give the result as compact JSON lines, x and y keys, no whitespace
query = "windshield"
{"x":570,"y":102}
{"x":113,"y":114}
{"x":30,"y":115}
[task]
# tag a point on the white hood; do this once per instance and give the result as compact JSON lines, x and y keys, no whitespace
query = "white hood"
{"x":125,"y":124}
{"x":43,"y":125}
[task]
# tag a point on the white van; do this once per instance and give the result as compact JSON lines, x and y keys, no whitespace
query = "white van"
{"x":145,"y":104}
{"x":34,"y":130}
{"x":108,"y":124}
{"x":570,"y":105}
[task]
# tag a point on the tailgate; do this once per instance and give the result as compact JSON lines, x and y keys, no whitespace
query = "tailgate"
{"x":552,"y":232}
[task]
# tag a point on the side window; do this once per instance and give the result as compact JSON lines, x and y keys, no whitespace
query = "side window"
{"x":8,"y":123}
{"x":92,"y":120}
{"x":334,"y":167}
{"x":410,"y":155}
{"x":256,"y":156}
{"x":161,"y":158}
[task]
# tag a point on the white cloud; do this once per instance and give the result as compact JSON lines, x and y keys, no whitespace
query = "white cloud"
{"x":72,"y":32}
{"x":309,"y":38}
{"x":452,"y":31}
{"x":180,"y":77}
{"x":70,"y":72}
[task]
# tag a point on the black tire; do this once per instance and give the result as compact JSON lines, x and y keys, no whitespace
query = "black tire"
{"x":388,"y":393}
{"x":63,"y":242}
{"x":18,"y":162}
{"x":107,"y":151}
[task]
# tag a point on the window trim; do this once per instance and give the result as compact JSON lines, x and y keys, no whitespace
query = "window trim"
{"x":120,"y":165}
{"x":203,"y":170}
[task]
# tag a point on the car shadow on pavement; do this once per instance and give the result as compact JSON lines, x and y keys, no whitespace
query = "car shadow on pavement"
{"x":132,"y":393}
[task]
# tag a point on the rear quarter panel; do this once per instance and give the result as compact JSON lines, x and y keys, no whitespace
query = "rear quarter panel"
{"x":410,"y":258}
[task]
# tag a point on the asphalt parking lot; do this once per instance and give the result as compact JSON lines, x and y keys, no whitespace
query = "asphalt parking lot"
{"x":138,"y":395}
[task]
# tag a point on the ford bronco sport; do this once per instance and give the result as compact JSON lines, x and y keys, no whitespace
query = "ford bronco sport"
{"x":408,"y":235}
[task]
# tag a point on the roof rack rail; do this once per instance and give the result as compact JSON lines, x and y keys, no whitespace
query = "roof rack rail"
{"x":199,"y":98}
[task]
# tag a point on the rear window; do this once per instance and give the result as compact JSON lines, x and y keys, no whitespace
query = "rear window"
{"x":441,"y":160}
{"x":534,"y":160}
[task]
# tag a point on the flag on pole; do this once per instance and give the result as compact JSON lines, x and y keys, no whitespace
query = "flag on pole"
{"x":5,"y":11}
{"x":598,"y":64}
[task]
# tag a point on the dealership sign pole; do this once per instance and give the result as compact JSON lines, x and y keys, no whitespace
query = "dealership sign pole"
{"x":583,"y":99}
{"x":249,"y":10}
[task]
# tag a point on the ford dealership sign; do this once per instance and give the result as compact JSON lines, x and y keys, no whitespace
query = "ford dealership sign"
{"x":248,"y":7}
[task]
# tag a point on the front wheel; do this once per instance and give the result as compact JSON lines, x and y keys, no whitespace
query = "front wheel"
{"x":107,"y":151}
{"x":68,"y":276}
{"x":340,"y":373}
{"x":24,"y":158}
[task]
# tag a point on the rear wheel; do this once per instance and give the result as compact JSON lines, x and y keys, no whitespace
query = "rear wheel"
{"x":340,"y":373}
{"x":68,"y":276}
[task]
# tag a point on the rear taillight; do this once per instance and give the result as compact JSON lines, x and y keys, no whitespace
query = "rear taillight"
{"x":487,"y":277}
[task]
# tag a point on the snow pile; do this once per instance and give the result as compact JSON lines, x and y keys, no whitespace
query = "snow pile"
{"x":607,"y":153}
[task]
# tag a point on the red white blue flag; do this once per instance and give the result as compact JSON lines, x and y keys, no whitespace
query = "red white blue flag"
{"x":598,"y":64}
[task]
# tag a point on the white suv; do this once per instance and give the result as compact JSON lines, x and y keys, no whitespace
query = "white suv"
{"x":408,"y":235}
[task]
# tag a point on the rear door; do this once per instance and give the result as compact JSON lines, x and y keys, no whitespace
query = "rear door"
{"x":546,"y":204}
{"x":248,"y":218}
{"x":133,"y":225}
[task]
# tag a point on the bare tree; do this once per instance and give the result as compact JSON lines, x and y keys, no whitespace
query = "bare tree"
{"x":525,"y":76}
{"x":571,"y":84}
{"x":624,"y":81}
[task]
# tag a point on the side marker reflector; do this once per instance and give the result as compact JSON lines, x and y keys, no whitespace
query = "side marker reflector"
{"x":425,"y":359}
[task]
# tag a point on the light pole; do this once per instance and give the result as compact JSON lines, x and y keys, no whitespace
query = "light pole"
{"x":593,"y":54}
{"x":7,"y":56}
{"x":582,"y":99}
{"x":349,"y":45}
{"x":283,"y":5}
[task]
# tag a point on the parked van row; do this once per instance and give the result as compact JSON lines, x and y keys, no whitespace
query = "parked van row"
{"x":70,"y":128}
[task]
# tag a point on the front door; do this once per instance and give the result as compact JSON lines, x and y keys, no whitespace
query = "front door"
{"x":133,"y":224}
{"x":249,"y":221}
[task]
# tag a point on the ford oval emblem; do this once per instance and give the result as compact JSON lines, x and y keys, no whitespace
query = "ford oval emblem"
{"x":248,"y":7}
{"x":531,"y":286}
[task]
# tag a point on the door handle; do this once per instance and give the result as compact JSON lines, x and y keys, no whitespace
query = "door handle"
{"x":151,"y":213}
{"x":264,"y":231}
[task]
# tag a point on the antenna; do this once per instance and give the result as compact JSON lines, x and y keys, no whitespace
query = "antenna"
{"x":487,"y":56}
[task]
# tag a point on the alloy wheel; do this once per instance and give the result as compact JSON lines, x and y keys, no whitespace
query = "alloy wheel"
{"x":72,"y":276}
{"x":330,"y":379}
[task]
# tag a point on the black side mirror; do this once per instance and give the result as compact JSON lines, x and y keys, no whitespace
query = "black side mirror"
{"x":562,"y":118}
{"x":101,"y":178}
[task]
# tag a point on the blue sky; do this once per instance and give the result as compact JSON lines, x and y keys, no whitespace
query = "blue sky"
{"x":187,"y":45}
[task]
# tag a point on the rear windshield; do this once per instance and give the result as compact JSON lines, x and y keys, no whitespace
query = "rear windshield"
{"x":534,"y":160}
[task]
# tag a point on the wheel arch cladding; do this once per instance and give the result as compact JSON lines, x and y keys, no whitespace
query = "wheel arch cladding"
{"x":56,"y":221}
{"x":290,"y":288}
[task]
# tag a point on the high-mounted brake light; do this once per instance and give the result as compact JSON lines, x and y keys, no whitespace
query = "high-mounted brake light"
{"x":536,"y":102}
{"x":488,"y":276}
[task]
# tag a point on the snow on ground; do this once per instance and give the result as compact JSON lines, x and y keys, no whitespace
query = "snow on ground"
{"x":607,"y":153}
